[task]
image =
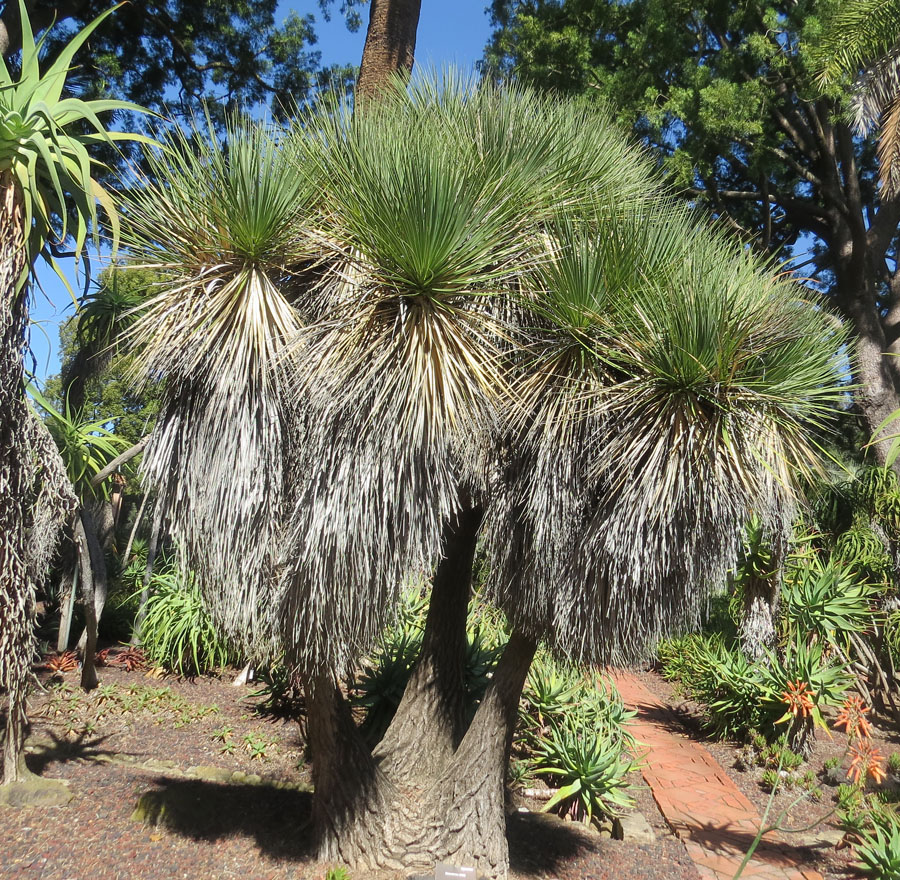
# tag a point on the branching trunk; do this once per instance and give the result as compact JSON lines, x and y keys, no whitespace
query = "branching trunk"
{"x":430,"y":720}
{"x":367,"y":818}
{"x":462,"y":819}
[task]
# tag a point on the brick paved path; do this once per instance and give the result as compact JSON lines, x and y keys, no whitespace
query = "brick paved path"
{"x":698,"y":800}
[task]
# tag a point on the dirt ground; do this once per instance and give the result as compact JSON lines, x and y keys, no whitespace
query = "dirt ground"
{"x":224,"y":792}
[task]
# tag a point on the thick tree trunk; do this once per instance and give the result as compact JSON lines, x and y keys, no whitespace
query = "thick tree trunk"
{"x":350,"y":805}
{"x":430,"y":720}
{"x":463,"y":820}
{"x":368,"y":819}
{"x":876,"y":394}
{"x":390,"y":44}
{"x":16,"y":603}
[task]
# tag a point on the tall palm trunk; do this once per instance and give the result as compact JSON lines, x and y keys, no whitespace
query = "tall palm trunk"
{"x":16,"y":603}
{"x":390,"y":44}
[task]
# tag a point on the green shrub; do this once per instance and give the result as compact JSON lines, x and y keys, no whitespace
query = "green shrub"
{"x":826,"y":599}
{"x":178,"y":632}
{"x":588,"y":769}
{"x":384,"y":678}
{"x":878,"y":850}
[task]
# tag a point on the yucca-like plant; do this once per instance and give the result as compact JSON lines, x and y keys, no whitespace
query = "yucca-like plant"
{"x":481,"y":320}
{"x":47,"y":190}
{"x":667,"y":402}
{"x":222,"y":229}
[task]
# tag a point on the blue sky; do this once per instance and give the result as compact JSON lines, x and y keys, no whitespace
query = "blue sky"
{"x":450,"y":32}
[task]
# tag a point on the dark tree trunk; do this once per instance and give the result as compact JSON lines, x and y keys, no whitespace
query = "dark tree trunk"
{"x":462,"y":818}
{"x":367,"y":818}
{"x":390,"y":44}
{"x":430,"y":720}
{"x":350,"y":804}
{"x":98,"y":586}
{"x":88,"y":644}
{"x":876,"y":393}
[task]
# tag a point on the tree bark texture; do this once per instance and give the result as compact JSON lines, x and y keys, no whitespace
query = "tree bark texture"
{"x":94,"y":582}
{"x":430,"y":719}
{"x":760,"y":615}
{"x":390,"y":44}
{"x":87,"y":645}
{"x":370,"y":815}
{"x":35,"y":496}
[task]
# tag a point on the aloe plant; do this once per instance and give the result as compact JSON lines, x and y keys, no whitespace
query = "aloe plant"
{"x":47,"y":191}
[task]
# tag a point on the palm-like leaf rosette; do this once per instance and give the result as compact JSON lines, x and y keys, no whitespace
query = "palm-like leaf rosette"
{"x":465,"y":296}
{"x":222,"y":228}
{"x":44,"y":141}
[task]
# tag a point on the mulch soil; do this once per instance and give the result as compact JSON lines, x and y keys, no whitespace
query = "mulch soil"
{"x":234,"y":787}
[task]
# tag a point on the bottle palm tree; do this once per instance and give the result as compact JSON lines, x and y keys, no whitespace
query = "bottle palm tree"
{"x":465,"y":314}
{"x":47,"y":191}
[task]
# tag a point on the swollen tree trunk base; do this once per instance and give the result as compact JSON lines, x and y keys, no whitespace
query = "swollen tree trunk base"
{"x":14,"y":769}
{"x":367,"y":818}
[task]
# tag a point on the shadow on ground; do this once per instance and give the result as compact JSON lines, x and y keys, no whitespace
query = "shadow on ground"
{"x":58,"y":750}
{"x":540,"y":843}
{"x":278,"y":819}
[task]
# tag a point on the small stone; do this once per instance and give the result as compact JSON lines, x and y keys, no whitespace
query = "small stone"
{"x":835,"y":775}
{"x":35,"y":792}
{"x":823,"y":838}
{"x":632,"y":828}
{"x":238,"y":776}
{"x":210,"y":774}
{"x":253,"y":779}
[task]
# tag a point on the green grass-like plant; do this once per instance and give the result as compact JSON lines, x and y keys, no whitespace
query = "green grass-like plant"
{"x":178,"y":632}
{"x":879,"y":850}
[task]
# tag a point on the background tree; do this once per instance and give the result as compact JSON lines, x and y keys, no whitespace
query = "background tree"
{"x":390,"y":43}
{"x":170,"y":56}
{"x":860,"y":43}
{"x":724,"y":95}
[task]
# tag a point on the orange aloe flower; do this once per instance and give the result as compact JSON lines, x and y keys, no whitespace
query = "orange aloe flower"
{"x":797,"y":698}
{"x":866,"y":761}
{"x":852,"y":718}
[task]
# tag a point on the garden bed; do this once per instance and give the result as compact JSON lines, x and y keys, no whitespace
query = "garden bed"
{"x":234,"y":786}
{"x":833,"y":859}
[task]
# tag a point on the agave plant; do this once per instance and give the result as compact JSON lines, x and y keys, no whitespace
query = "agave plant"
{"x":46,"y":188}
